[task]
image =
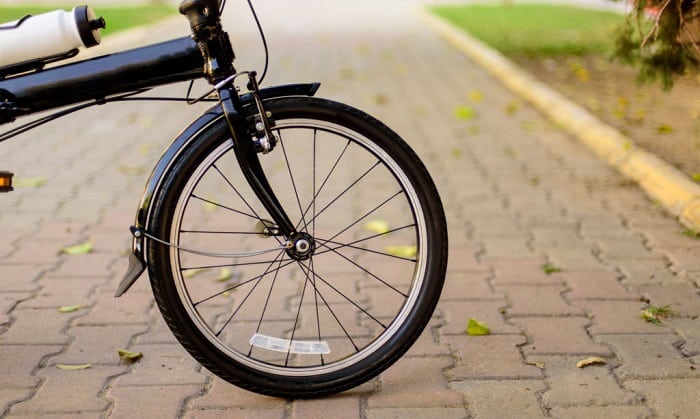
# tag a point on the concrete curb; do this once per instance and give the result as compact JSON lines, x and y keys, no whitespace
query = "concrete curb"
{"x":662,"y":182}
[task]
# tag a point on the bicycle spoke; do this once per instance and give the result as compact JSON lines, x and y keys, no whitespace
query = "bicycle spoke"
{"x":291,"y":178}
{"x":208,"y":201}
{"x":247,"y":296}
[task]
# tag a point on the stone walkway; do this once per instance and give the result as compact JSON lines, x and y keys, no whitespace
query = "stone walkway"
{"x":519,"y":195}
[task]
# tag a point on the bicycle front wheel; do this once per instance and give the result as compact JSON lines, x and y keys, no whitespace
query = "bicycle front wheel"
{"x":254,"y":314}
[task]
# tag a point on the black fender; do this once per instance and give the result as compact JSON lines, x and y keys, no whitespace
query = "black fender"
{"x":137,"y":260}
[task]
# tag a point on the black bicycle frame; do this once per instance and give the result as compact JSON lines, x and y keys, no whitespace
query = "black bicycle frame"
{"x":96,"y":79}
{"x":207,"y":54}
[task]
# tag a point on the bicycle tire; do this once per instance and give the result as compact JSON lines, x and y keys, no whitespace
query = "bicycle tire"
{"x":284,"y":327}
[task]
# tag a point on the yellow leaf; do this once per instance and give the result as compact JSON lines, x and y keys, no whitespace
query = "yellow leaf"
{"x":594,"y":360}
{"x":73,"y":367}
{"x":402,"y":251}
{"x":538,"y":364}
{"x":30,"y":182}
{"x":476,"y":96}
{"x":224,"y":275}
{"x":132,"y":170}
{"x":78,"y":249}
{"x":70,"y":309}
{"x":129,"y":356}
{"x":477,"y":328}
{"x":377,"y":226}
{"x":464,"y":113}
{"x":664,"y":129}
{"x":193,"y":272}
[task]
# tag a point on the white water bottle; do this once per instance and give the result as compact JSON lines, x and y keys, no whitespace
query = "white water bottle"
{"x":49,"y":34}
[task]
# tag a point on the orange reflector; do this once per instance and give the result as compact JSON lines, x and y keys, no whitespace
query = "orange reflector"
{"x":5,"y":181}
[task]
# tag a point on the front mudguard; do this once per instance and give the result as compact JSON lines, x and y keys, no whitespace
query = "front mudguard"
{"x":137,"y":260}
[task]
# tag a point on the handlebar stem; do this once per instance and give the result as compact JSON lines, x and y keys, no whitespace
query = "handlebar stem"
{"x":213,"y":41}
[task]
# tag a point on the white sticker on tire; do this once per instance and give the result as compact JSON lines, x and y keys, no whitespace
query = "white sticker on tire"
{"x":304,"y":347}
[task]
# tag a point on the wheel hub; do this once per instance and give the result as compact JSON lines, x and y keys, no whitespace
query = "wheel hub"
{"x":302,"y":247}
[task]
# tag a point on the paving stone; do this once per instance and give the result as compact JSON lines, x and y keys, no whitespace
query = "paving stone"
{"x":502,"y":399}
{"x":98,"y":344}
{"x":570,"y":386}
{"x":683,"y":259}
{"x":18,"y":278}
{"x":349,"y":406}
{"x":522,"y":272}
{"x":463,"y":259}
{"x":602,"y":285}
{"x":415,"y":382}
{"x":223,"y":395}
{"x":416,"y":413}
{"x":10,"y":396}
{"x":559,"y":335}
{"x":631,"y":248}
{"x":236,"y":413}
{"x":649,"y":356}
{"x":36,"y":252}
{"x":131,"y":309}
{"x":19,"y":363}
{"x":8,"y":302}
{"x":614,"y":317}
{"x":163,"y":401}
{"x":684,"y":299}
{"x":468,"y":286}
{"x":38,"y":326}
{"x":492,"y":356}
{"x":458,"y":313}
{"x":512,"y":246}
{"x":55,"y":293}
{"x":639,"y":272}
{"x":587,"y":412}
{"x":667,"y":238}
{"x":93,"y":265}
{"x":428,"y":343}
{"x":544,"y":300}
{"x":576,"y":260}
{"x":162,"y":365}
{"x":69,"y":391}
{"x":674,"y":398}
{"x":689,"y":330}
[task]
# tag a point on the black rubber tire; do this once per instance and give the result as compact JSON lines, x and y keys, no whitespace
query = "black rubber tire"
{"x":196,"y":323}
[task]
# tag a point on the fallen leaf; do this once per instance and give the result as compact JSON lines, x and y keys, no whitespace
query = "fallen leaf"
{"x":654,"y":314}
{"x":70,"y":309}
{"x":594,"y":360}
{"x":464,"y":113}
{"x":73,"y":367}
{"x":224,"y":275}
{"x":550,"y":269}
{"x":78,"y":249}
{"x":377,"y":226}
{"x":129,"y":356}
{"x":380,"y":99}
{"x":30,"y":182}
{"x":476,"y":96}
{"x":132,"y":170}
{"x":477,"y":328}
{"x":511,"y":108}
{"x":402,"y":251}
{"x":538,"y":364}
{"x":664,"y":129}
{"x":695,"y":177}
{"x":193,"y":272}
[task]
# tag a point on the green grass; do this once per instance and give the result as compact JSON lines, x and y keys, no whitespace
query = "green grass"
{"x":117,"y":18}
{"x":536,"y":30}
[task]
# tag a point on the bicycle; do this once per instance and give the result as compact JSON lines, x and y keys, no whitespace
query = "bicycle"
{"x":296,"y":246}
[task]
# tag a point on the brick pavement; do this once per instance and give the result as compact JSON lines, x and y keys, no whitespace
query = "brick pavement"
{"x":519,"y":194}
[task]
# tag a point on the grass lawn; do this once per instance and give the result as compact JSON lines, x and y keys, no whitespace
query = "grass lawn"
{"x":536,"y":30}
{"x":118,"y":18}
